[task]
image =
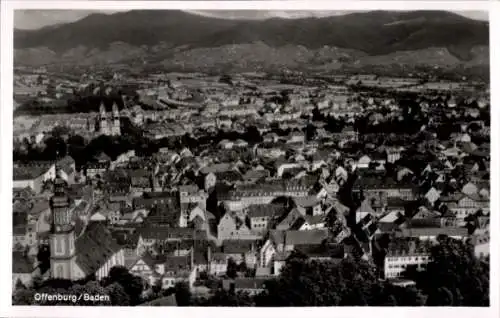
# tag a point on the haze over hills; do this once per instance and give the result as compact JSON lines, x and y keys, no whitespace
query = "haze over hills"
{"x":184,"y":40}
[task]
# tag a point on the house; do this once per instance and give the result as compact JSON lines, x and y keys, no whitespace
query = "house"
{"x":481,"y":243}
{"x":141,"y":181}
{"x":393,"y":154}
{"x":97,"y":252}
{"x":98,"y":166}
{"x":67,"y":169}
{"x":432,"y":195}
{"x":310,"y":204}
{"x":231,"y":226}
{"x":403,"y":253}
{"x":143,"y":266}
{"x":363,"y":162}
{"x":289,"y":220}
{"x":251,"y":286}
{"x":270,"y":138}
{"x":265,"y":192}
{"x":256,"y":175}
{"x":133,"y":216}
{"x":432,"y":233}
{"x":309,"y":222}
{"x":32,"y":176}
{"x":241,"y":251}
{"x":177,"y":268}
{"x":383,"y":188}
{"x":466,"y":205}
{"x":279,"y":242}
{"x":210,"y":173}
{"x":23,"y":269}
{"x":226,"y":144}
{"x":296,"y":137}
{"x":469,"y":189}
{"x":341,"y":175}
{"x":261,"y":215}
{"x":240,"y":143}
{"x":217,"y":265}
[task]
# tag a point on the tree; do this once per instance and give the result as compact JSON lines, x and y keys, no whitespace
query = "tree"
{"x":118,"y":295}
{"x":157,"y":287}
{"x":23,"y":297}
{"x":232,"y":268}
{"x":454,"y":276}
{"x":182,"y":294}
{"x":226,"y":298}
{"x":131,"y":284}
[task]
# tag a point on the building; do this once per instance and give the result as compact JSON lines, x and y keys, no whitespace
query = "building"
{"x":33,"y":176}
{"x":23,"y":269}
{"x":109,"y":126}
{"x":404,"y":253}
{"x":78,"y":254}
{"x":261,"y":215}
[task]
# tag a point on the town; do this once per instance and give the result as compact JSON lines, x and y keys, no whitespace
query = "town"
{"x":217,"y":185}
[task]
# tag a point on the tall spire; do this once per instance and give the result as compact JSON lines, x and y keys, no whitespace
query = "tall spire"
{"x":58,"y":181}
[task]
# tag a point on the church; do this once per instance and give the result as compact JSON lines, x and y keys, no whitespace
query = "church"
{"x":109,"y":126}
{"x":77,"y":254}
{"x":102,"y":123}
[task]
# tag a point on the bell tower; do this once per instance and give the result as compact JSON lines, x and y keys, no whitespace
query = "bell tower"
{"x":103,"y":120}
{"x":62,"y":237}
{"x":115,"y":130}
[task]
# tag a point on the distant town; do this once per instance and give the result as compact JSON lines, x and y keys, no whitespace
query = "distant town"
{"x":250,"y":189}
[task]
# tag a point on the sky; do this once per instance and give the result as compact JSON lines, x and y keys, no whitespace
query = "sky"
{"x":34,"y":19}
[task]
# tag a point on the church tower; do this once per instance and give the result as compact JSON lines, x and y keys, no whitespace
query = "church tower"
{"x":62,"y":236}
{"x":103,"y":120}
{"x":115,"y":131}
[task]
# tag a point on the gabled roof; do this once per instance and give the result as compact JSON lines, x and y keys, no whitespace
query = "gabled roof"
{"x":450,"y":231}
{"x":265,"y":210}
{"x":306,"y":202}
{"x":305,"y":237}
{"x":102,"y":157}
{"x":94,"y":248}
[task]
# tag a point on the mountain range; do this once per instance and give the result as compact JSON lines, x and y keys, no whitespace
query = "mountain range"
{"x":184,"y":40}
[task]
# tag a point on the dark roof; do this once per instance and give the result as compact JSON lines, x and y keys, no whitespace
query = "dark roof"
{"x":178,"y":263}
{"x":102,"y":157}
{"x":428,"y":231}
{"x":305,"y":237}
{"x":28,"y":172}
{"x":265,"y":210}
{"x":238,"y":246}
{"x":165,"y":233}
{"x":371,"y":182}
{"x":66,"y":164}
{"x":94,"y":248}
{"x":21,"y":264}
{"x":166,"y":213}
{"x":230,"y":176}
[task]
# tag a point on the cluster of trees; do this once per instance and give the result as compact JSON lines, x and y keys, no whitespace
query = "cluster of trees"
{"x":454,"y":277}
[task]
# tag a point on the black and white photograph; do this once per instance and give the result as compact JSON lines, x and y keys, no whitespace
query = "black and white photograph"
{"x":250,"y":158}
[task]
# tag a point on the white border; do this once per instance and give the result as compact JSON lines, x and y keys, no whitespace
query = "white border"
{"x":254,"y":5}
{"x":7,"y":310}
